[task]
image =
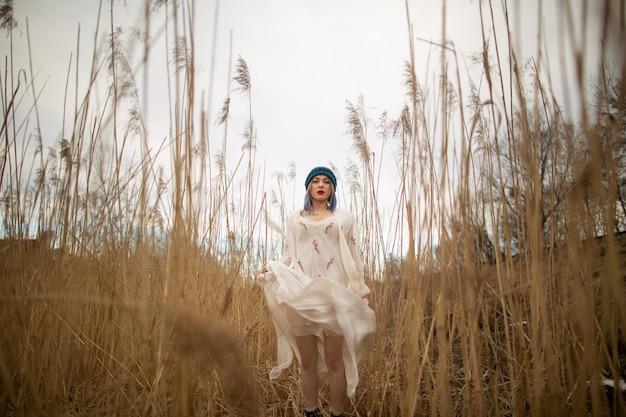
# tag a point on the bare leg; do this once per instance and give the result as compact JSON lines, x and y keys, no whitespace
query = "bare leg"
{"x":333,"y":354}
{"x":307,"y":346}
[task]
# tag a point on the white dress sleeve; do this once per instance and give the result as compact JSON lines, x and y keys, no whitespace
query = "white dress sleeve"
{"x":353,"y":242}
{"x":349,"y":247}
{"x":288,"y":241}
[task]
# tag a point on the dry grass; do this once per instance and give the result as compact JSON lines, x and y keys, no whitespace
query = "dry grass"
{"x":138,"y":297}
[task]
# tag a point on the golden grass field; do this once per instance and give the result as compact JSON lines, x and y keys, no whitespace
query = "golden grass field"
{"x":128,"y":303}
{"x":121,"y":334}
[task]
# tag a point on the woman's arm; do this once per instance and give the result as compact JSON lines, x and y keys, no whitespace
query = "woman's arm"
{"x":288,"y":239}
{"x":286,"y":255}
{"x":353,"y":240}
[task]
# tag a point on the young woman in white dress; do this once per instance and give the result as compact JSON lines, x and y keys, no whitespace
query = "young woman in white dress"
{"x":317,"y":296}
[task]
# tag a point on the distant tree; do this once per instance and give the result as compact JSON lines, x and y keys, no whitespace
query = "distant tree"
{"x":606,"y":145}
{"x":548,"y":163}
{"x":521,"y":176}
{"x":538,"y":172}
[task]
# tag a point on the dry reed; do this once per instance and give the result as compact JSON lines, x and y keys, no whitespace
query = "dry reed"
{"x":137,"y":296}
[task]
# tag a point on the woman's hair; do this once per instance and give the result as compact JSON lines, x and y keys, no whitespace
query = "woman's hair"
{"x":332,"y":200}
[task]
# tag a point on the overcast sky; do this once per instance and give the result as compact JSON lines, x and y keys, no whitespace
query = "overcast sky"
{"x":306,"y":58}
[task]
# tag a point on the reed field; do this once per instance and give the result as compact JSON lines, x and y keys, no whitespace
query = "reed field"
{"x":128,"y":290}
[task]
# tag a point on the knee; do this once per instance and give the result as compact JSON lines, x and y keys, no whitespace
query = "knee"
{"x":334,"y":362}
{"x":308,"y":364}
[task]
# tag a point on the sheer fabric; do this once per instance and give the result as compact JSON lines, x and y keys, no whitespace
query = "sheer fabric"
{"x":317,"y":288}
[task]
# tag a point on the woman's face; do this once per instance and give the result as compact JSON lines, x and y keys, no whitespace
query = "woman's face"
{"x":321,"y":188}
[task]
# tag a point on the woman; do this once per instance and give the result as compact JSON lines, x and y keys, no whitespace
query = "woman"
{"x":317,"y":296}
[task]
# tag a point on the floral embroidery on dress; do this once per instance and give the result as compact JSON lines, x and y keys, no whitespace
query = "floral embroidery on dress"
{"x":330,"y":226}
{"x":300,"y":264}
{"x":315,"y":245}
{"x":353,"y":239}
{"x":330,"y":262}
{"x":302,"y":224}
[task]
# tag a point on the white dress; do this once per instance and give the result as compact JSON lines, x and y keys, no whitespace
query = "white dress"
{"x":317,"y":288}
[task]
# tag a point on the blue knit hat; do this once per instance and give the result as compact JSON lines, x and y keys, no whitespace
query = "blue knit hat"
{"x":320,"y":171}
